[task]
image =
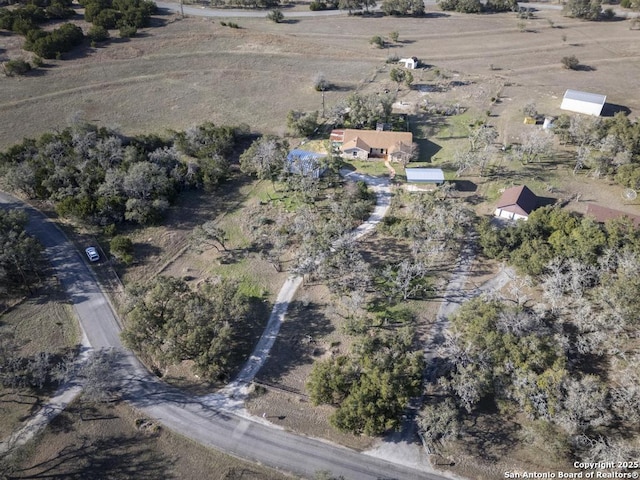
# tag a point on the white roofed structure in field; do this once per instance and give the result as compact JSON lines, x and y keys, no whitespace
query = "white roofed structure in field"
{"x":425,"y":175}
{"x":583,"y":102}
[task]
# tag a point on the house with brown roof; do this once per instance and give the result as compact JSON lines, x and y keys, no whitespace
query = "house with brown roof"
{"x":516,"y":203}
{"x":367,"y":144}
{"x":602,"y":214}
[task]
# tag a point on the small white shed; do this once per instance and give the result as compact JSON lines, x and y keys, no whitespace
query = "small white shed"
{"x":583,"y":102}
{"x":410,"y":63}
{"x":425,"y":175}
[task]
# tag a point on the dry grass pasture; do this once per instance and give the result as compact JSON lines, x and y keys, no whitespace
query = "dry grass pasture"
{"x":194,"y":69}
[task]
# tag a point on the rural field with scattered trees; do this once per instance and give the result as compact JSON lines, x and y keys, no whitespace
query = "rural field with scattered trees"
{"x":162,"y":139}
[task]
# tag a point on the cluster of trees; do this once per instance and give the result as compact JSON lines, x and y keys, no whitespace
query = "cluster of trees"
{"x":607,"y":146}
{"x":585,"y":9}
{"x":168,"y":322}
{"x":123,"y":14}
{"x":101,"y":177}
{"x":364,"y":110}
{"x":551,"y":232}
{"x":371,"y":386}
{"x":476,"y":6}
{"x":52,"y":44}
{"x":24,"y":19}
{"x":413,"y":8}
{"x":567,"y":363}
{"x":20,"y":254}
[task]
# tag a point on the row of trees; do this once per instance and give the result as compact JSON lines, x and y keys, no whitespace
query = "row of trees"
{"x":476,"y":6}
{"x":551,"y":232}
{"x":99,"y":176}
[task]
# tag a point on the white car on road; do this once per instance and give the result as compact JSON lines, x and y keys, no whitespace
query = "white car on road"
{"x":92,"y":254}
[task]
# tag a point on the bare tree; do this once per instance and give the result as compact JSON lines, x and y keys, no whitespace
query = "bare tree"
{"x":438,"y":423}
{"x":208,"y":235}
{"x":481,"y":137}
{"x":585,"y":405}
{"x":535,"y":145}
{"x":100,"y":376}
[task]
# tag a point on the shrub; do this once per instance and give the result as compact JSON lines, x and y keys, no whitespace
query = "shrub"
{"x":122,"y":248}
{"x":571,"y":62}
{"x":98,"y":33}
{"x":107,"y":18}
{"x":276,"y":15}
{"x":469,"y":6}
{"x":320,"y":83}
{"x":127,"y":31}
{"x":52,"y":44}
{"x":16,"y":67}
{"x":608,"y":14}
{"x":378,"y":41}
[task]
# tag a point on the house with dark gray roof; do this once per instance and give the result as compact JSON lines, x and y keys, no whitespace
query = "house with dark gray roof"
{"x":516,"y":203}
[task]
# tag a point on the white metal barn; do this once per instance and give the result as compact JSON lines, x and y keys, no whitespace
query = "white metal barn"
{"x":425,"y":175}
{"x":583,"y":102}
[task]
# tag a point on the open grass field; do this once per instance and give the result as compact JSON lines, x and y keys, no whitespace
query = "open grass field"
{"x":194,"y":70}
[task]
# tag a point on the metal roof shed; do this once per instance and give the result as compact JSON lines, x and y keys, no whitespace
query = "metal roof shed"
{"x":583,"y":102}
{"x":425,"y":175}
{"x":302,"y":162}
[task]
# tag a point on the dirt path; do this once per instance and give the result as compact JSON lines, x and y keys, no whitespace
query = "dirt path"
{"x":402,"y":445}
{"x":232,"y":396}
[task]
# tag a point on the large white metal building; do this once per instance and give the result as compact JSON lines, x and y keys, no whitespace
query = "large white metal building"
{"x":583,"y":102}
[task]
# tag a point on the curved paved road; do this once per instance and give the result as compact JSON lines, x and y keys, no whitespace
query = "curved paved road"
{"x":180,"y":412}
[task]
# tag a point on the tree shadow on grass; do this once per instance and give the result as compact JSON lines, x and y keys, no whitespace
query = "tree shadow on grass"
{"x":297,"y":342}
{"x":490,"y":435}
{"x":118,"y":457}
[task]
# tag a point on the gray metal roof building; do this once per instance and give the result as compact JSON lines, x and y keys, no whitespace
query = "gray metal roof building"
{"x":583,"y":102}
{"x":425,"y":175}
